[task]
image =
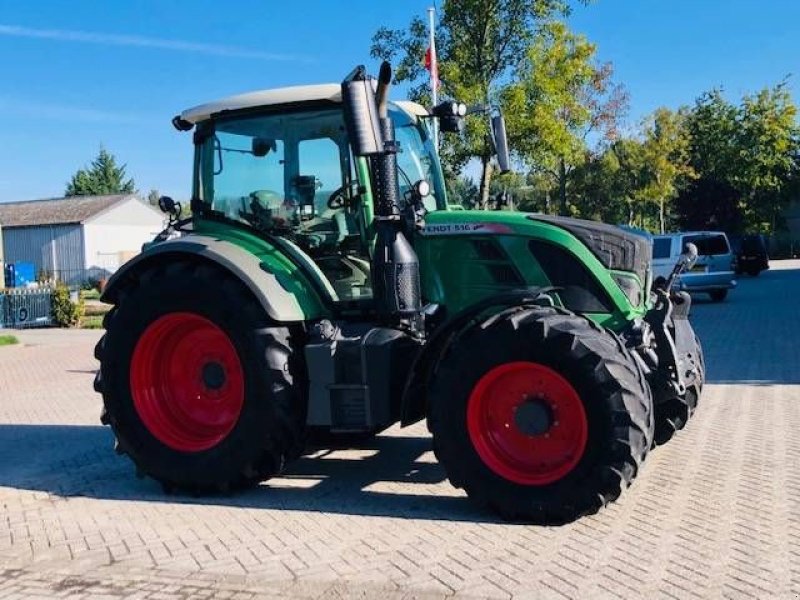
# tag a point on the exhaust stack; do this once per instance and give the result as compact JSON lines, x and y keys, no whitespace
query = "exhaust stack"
{"x":395,"y":267}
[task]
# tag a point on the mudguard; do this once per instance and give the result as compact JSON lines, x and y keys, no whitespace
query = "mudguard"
{"x":284,"y":295}
{"x":414,"y":403}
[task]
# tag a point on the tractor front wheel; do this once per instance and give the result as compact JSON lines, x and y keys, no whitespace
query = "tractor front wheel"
{"x":198,"y":385}
{"x":541,"y":415}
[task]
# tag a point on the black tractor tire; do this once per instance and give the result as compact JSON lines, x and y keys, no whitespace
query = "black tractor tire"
{"x":718,"y":295}
{"x":610,"y":386}
{"x":267,"y":431}
{"x":673,"y":411}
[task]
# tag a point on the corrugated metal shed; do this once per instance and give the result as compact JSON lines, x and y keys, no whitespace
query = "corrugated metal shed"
{"x":56,"y":211}
{"x":56,"y":249}
{"x":50,"y":233}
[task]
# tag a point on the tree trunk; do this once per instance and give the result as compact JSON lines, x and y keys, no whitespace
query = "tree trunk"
{"x":563,"y":209}
{"x":486,"y":178}
{"x":661,"y":215}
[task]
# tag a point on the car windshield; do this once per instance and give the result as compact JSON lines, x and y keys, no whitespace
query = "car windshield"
{"x":661,"y":247}
{"x":708,"y":244}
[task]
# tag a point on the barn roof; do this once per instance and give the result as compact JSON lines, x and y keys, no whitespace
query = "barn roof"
{"x":57,"y":211}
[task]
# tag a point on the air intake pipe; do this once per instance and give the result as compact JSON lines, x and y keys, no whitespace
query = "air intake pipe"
{"x":395,"y":267}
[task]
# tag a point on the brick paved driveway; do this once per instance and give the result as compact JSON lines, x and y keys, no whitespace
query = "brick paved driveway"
{"x":715,"y":513}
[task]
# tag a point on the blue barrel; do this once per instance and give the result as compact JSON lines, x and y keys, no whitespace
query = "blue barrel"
{"x":24,"y":274}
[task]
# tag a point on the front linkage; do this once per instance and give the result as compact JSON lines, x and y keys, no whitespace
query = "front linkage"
{"x":671,"y":353}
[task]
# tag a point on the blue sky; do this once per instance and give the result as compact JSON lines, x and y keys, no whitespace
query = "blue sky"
{"x":73,"y":76}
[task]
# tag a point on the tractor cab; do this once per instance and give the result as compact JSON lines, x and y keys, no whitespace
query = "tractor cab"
{"x":280,"y":162}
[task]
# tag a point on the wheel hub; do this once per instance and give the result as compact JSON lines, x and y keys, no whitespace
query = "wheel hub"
{"x":213,"y":375}
{"x":527,"y":423}
{"x":187,"y":382}
{"x":534,"y":417}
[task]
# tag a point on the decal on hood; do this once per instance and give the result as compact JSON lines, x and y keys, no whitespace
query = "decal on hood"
{"x":465,"y":228}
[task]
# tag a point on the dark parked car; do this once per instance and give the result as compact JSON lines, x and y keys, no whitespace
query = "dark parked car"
{"x":751,"y":254}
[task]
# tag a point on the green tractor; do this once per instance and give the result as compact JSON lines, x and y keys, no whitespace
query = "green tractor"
{"x":323,"y":284}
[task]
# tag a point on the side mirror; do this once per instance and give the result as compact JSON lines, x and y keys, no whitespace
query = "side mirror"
{"x":689,"y":256}
{"x":170,"y":207}
{"x":361,"y":114}
{"x":501,"y":143}
{"x":166,"y":204}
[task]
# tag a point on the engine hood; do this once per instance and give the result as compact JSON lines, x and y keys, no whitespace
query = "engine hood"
{"x":615,"y":248}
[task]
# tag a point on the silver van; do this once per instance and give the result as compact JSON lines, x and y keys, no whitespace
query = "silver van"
{"x":714,"y":271}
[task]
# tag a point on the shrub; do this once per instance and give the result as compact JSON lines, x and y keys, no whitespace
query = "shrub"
{"x":8,"y":340}
{"x":66,"y":313}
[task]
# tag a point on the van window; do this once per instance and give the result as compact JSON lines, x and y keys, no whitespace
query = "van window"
{"x":708,"y":245}
{"x":662,"y":247}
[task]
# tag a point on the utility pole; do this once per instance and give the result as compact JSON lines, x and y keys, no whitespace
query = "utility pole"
{"x":434,"y":71}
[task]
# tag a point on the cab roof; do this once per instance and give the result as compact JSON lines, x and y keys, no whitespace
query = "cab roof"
{"x":331,"y":92}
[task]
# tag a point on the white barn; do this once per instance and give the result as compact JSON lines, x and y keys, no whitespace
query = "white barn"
{"x":79,"y":238}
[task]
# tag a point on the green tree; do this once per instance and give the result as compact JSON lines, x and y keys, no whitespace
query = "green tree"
{"x":101,"y":177}
{"x":479,"y":46}
{"x":602,"y":186}
{"x":462,"y":191}
{"x":152,"y":197}
{"x":768,"y":139}
{"x":711,"y":200}
{"x":745,"y":158}
{"x":664,"y":162}
{"x":564,"y":100}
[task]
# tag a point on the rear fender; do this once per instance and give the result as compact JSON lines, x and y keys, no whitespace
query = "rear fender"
{"x":285,"y":296}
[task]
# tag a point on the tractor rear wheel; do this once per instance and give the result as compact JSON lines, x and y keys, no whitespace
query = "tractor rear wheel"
{"x":198,"y":385}
{"x":540,"y":414}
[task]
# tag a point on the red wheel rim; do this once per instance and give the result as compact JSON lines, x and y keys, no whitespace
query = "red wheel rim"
{"x":527,"y":423}
{"x":187,"y":382}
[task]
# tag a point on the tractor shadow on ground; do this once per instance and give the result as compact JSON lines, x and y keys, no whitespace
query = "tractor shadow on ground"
{"x":384,"y":477}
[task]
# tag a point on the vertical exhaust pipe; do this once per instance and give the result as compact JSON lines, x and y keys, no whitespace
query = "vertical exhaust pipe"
{"x":395,"y":266}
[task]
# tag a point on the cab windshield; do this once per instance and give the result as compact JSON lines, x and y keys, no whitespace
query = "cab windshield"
{"x":417,"y":159}
{"x":298,"y":165}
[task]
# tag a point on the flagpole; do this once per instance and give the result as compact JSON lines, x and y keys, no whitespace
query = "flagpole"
{"x":434,"y":70}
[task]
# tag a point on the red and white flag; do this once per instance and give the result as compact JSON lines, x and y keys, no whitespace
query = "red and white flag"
{"x":432,"y":66}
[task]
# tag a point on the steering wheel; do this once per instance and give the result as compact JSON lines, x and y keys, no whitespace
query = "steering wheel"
{"x":337,"y":199}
